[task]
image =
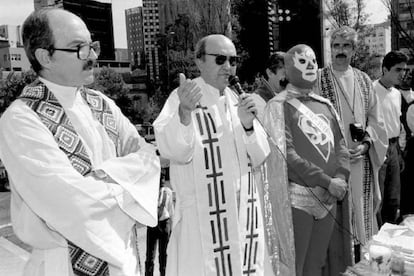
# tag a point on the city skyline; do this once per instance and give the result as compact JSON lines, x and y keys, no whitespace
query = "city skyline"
{"x":14,"y":12}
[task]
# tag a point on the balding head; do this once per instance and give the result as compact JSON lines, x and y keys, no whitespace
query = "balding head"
{"x":39,"y":31}
{"x":200,"y":49}
{"x":216,"y":58}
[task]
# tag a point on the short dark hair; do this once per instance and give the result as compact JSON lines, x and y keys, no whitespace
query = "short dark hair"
{"x":393,"y":58}
{"x":36,"y":33}
{"x":275,"y":62}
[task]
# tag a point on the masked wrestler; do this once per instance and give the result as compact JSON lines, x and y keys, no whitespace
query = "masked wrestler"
{"x":306,"y":129}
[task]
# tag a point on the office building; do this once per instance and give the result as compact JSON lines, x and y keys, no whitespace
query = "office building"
{"x":151,"y":28}
{"x":379,"y":40}
{"x":97,"y":16}
{"x":135,"y":36}
{"x":13,"y":34}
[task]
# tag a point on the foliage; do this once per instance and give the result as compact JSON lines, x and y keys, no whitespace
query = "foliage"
{"x":347,"y":13}
{"x":352,"y":13}
{"x":402,"y":30}
{"x":109,"y":82}
{"x":152,"y":110}
{"x":13,"y":85}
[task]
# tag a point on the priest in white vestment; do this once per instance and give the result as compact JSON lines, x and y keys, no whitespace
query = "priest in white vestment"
{"x":81,"y":176}
{"x":213,"y":141}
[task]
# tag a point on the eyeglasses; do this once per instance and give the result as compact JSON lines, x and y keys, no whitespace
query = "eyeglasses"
{"x":345,"y":46}
{"x":221,"y":59}
{"x":83,"y":50}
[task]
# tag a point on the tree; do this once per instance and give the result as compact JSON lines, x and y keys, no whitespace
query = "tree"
{"x":109,"y":82}
{"x":352,"y":13}
{"x":346,"y":13}
{"x":205,"y":17}
{"x":401,"y":28}
{"x":151,"y":111}
{"x":13,"y":85}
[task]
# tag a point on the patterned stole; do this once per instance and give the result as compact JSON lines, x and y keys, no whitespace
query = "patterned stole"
{"x":328,"y":90}
{"x":42,"y":101}
{"x":404,"y":108}
{"x":232,"y":238}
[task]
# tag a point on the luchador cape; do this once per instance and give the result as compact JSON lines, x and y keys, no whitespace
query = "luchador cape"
{"x":275,"y":192}
{"x":217,"y":227}
{"x":300,"y":197}
{"x":358,"y":213}
{"x":50,"y":142}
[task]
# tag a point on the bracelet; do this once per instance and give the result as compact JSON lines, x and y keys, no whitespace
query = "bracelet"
{"x":248,"y":129}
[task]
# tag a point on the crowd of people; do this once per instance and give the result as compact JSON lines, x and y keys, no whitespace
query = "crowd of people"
{"x":293,"y":179}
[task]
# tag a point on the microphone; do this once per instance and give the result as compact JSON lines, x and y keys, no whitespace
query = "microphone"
{"x":234,"y":81}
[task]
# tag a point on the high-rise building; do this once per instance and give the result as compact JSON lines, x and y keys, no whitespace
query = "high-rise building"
{"x":12,"y":55}
{"x":135,"y":36}
{"x":379,"y":40}
{"x":98,"y":19}
{"x":151,"y":21}
{"x":13,"y":34}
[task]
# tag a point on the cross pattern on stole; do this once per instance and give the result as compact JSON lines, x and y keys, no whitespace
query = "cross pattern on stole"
{"x":250,"y":253}
{"x":216,"y":193}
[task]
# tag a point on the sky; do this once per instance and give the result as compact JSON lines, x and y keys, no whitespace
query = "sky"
{"x":13,"y":12}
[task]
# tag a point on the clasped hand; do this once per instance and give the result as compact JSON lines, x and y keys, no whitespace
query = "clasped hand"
{"x":338,"y":188}
{"x":358,"y":152}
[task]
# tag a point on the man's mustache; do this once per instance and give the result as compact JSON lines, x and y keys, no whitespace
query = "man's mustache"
{"x":89,"y":63}
{"x":340,"y":56}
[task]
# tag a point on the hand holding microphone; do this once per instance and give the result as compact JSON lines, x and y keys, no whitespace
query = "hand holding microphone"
{"x":246,"y":108}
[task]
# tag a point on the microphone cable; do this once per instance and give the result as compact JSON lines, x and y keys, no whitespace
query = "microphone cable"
{"x":234,"y":82}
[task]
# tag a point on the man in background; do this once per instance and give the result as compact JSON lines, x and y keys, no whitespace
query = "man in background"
{"x":353,"y":97}
{"x":161,"y":233}
{"x":394,"y":66}
{"x":272,"y":82}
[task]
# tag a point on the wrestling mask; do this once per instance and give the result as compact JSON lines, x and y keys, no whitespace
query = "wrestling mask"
{"x":301,"y":66}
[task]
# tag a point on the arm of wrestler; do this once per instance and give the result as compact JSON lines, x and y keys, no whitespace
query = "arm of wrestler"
{"x":306,"y":173}
{"x":173,"y":128}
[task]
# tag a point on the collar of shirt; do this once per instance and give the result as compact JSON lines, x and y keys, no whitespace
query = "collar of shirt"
{"x":65,"y":94}
{"x":383,"y":86}
{"x":347,"y":73}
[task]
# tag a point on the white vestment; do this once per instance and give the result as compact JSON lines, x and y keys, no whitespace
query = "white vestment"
{"x":209,"y":232}
{"x":52,"y":203}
